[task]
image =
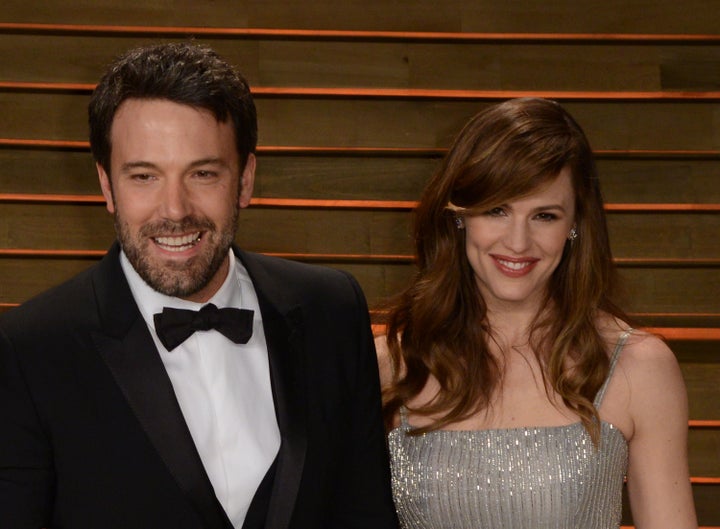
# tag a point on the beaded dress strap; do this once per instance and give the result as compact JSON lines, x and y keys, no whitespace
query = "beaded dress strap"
{"x":403,"y":416}
{"x":613,"y":362}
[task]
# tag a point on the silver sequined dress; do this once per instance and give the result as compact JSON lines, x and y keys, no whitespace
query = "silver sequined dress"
{"x":521,"y":478}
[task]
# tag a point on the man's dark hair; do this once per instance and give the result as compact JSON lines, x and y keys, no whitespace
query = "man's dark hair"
{"x":184,"y":73}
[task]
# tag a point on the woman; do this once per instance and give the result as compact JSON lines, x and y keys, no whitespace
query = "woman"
{"x":516,"y":393}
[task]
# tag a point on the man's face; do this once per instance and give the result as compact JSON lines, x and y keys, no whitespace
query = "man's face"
{"x":175,"y":194}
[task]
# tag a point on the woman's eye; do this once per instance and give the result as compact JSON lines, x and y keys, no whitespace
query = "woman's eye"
{"x":546,"y":216}
{"x":495,"y":212}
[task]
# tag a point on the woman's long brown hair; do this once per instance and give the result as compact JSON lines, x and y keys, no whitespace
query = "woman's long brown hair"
{"x":438,"y":325}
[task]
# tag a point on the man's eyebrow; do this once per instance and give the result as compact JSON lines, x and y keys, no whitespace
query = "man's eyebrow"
{"x":208,"y":161}
{"x":140,"y":164}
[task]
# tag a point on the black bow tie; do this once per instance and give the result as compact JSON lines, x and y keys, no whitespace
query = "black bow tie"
{"x":174,"y":326}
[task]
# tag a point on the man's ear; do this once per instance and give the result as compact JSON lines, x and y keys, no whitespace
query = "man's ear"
{"x":106,"y":188}
{"x":247,"y":181}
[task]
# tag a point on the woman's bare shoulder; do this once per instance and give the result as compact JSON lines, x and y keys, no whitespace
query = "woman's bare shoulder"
{"x":654,"y":380}
{"x":637,"y":342}
{"x":647,"y":356}
{"x":640,"y":347}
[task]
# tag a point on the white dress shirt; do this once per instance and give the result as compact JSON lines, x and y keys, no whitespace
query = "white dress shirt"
{"x":223,"y":389}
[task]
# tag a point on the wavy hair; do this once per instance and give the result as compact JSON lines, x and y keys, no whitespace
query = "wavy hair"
{"x":438,"y":326}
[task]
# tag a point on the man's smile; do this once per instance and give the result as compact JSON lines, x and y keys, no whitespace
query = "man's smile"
{"x":178,"y":243}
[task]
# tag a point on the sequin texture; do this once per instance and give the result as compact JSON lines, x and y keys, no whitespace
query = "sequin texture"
{"x":521,"y":478}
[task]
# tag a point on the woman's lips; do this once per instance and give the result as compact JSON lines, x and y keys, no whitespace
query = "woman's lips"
{"x":514,"y":266}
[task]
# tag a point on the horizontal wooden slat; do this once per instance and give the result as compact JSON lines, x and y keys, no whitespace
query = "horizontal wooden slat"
{"x":302,"y":34}
{"x":50,"y":174}
{"x":408,"y":93}
{"x":707,"y":497}
{"x":307,"y":257}
{"x":614,"y":125}
{"x":311,"y":150}
{"x":662,"y":154}
{"x":50,"y":199}
{"x":358,"y":257}
{"x":670,"y":319}
{"x":685,"y":333}
{"x":692,"y":321}
{"x":266,"y":61}
{"x":677,"y":290}
{"x":45,"y":144}
{"x":454,"y":16}
{"x":483,"y":95}
{"x":52,"y":254}
{"x":673,"y":290}
{"x":644,"y":262}
{"x":260,"y":202}
{"x":704,"y":424}
{"x":361,"y":174}
{"x":403,"y":205}
{"x":638,"y":240}
{"x":49,"y":87}
{"x":375,"y":175}
{"x":701,"y":377}
{"x":663,"y":208}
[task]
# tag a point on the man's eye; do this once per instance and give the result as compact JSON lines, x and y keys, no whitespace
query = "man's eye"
{"x":142,"y":177}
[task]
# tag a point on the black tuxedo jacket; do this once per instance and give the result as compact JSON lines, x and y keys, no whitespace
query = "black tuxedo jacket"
{"x":92,"y":436}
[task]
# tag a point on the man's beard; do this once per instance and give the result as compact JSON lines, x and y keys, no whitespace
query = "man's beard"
{"x":172,"y":278}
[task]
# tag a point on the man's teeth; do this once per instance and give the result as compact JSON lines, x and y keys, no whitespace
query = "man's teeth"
{"x":514,"y":265}
{"x":178,"y":244}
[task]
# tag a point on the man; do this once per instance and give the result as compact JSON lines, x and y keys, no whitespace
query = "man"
{"x":117,"y":411}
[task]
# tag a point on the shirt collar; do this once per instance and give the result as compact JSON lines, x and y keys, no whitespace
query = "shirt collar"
{"x":150,"y":301}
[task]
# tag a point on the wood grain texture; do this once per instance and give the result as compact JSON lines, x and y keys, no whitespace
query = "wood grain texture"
{"x":420,"y":60}
{"x":396,"y":123}
{"x":351,"y":175}
{"x":612,"y":16}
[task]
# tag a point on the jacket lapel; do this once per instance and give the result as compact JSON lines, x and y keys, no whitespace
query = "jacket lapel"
{"x":283,"y":326}
{"x":129,"y":352}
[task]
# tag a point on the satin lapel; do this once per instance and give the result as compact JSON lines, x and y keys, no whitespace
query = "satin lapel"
{"x":284,"y":339}
{"x":283,"y":325}
{"x":129,"y":352}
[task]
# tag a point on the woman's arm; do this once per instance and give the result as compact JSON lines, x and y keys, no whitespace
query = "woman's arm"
{"x":658,"y":476}
{"x":384,"y":361}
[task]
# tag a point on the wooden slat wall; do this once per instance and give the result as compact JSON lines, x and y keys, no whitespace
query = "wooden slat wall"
{"x":357,"y":102}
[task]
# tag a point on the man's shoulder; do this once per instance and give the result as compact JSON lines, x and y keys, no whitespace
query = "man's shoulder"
{"x":290,"y":272}
{"x":288,"y":283}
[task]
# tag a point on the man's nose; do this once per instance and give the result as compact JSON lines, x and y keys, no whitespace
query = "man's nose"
{"x":176,"y":200}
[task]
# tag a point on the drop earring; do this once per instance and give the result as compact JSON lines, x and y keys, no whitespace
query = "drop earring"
{"x":459,"y":223}
{"x":573,"y":234}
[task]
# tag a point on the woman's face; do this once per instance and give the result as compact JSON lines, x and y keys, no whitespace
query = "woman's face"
{"x":514,"y":248}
